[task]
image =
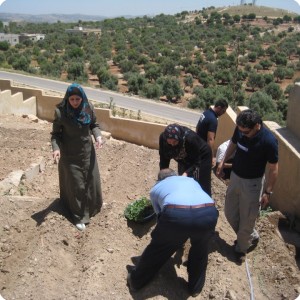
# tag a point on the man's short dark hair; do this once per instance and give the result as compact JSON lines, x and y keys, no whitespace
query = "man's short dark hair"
{"x":164,"y":173}
{"x":222,"y":103}
{"x":248,"y":119}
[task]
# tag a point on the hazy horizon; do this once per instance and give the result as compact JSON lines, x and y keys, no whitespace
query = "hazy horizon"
{"x":129,"y":7}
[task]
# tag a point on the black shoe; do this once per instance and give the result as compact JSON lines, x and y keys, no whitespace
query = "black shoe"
{"x":240,"y":257}
{"x":129,"y":283}
{"x":194,"y":295}
{"x":253,"y":245}
{"x":255,"y":241}
{"x":130,"y":268}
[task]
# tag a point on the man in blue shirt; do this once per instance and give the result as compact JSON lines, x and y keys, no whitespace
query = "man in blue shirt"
{"x":208,"y":122}
{"x":184,"y":212}
{"x":255,"y":147}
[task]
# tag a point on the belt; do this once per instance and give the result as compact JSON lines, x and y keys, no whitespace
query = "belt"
{"x":189,"y":206}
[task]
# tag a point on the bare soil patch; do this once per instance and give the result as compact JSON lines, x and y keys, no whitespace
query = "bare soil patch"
{"x":43,"y":256}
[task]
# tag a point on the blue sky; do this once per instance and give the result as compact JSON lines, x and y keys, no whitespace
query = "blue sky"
{"x":112,"y":8}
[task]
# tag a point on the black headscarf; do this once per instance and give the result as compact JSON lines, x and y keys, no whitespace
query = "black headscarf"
{"x":174,"y":131}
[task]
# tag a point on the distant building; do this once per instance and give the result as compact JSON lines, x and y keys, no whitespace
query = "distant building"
{"x":75,"y":30}
{"x":34,"y":37}
{"x":84,"y":31}
{"x":245,"y":2}
{"x":14,"y":39}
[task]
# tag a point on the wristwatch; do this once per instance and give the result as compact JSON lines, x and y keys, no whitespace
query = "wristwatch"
{"x":268,"y":193}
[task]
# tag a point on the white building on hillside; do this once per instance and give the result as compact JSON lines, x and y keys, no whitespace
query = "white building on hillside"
{"x":12,"y":39}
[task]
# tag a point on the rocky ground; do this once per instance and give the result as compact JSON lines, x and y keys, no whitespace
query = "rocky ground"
{"x":43,"y":256}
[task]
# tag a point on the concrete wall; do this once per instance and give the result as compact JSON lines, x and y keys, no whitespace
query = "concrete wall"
{"x":14,"y":104}
{"x":226,"y":126}
{"x":287,"y":189}
{"x":286,"y":197}
{"x":133,"y":131}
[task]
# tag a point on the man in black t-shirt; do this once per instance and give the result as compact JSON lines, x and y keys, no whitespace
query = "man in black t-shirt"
{"x":255,"y":147}
{"x":208,"y":122}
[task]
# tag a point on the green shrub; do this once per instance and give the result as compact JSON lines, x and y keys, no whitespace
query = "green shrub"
{"x":138,"y":210}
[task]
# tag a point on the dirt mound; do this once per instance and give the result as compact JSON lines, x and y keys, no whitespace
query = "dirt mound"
{"x":43,"y":256}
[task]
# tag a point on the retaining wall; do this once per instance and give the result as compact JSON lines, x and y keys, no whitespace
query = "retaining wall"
{"x":286,"y":197}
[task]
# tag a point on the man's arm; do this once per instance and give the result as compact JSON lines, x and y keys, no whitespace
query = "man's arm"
{"x":163,"y":161}
{"x":229,"y":152}
{"x":271,"y":179}
{"x":211,"y":140}
{"x":227,"y":165}
{"x":199,"y":123}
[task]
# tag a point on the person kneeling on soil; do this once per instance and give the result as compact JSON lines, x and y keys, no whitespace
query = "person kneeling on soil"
{"x":184,"y":212}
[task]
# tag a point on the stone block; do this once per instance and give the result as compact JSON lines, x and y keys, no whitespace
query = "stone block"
{"x":35,"y":169}
{"x":11,"y":181}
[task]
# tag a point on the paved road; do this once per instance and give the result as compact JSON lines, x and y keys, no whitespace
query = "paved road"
{"x":151,"y":107}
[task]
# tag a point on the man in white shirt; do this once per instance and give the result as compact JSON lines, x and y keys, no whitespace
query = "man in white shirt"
{"x":219,"y":157}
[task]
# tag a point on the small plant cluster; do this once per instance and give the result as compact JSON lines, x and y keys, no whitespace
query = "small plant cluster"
{"x":264,"y":212}
{"x":138,"y":210}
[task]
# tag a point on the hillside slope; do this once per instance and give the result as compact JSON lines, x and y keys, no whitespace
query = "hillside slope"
{"x":43,"y":256}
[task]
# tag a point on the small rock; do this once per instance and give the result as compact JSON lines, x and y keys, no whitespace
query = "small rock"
{"x":297,"y":289}
{"x":280,"y":276}
{"x":18,"y":230}
{"x":65,"y":242}
{"x":230,"y":295}
{"x":5,"y":248}
{"x":30,"y":271}
{"x":6,"y":227}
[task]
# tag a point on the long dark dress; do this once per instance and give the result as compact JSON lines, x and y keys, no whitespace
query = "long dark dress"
{"x":79,"y":178}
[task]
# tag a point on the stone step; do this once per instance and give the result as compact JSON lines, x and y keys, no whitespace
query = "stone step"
{"x":14,"y":178}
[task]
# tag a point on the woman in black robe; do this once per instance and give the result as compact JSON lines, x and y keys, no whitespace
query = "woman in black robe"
{"x":191,"y":152}
{"x":73,"y":149}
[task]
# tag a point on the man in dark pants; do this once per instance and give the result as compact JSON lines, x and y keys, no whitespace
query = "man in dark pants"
{"x":184,"y":212}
